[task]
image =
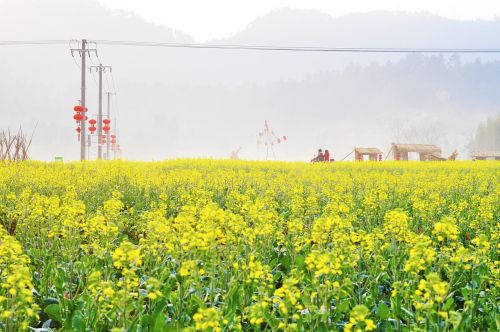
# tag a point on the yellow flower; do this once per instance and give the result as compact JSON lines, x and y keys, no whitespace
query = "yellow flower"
{"x":262,"y":244}
{"x":187,"y":268}
{"x":370,"y":326}
{"x":446,"y":229}
{"x":17,"y":307}
{"x":430,"y":290}
{"x":127,"y":255}
{"x":396,"y":225}
{"x":422,"y":254}
{"x":108,"y":291}
{"x":325,"y":263}
{"x":358,"y":318}
{"x":208,"y":319}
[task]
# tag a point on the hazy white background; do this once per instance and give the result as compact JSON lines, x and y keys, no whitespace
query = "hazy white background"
{"x":211,"y":19}
{"x":174,"y":103}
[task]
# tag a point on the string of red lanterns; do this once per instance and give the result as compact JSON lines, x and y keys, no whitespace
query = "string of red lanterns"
{"x":92,"y":127}
{"x":79,"y":117}
{"x":106,"y":126}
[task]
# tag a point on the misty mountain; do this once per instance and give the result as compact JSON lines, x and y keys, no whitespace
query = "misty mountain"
{"x":184,"y":102}
{"x":77,"y":19}
{"x":69,"y":19}
{"x":380,"y":29}
{"x":375,"y":29}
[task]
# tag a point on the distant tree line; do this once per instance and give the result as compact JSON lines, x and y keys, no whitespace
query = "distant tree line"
{"x":487,"y":136}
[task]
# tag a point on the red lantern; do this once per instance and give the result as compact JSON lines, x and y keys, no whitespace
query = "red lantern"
{"x":103,"y":141}
{"x":113,"y":136}
{"x":78,"y":108}
{"x":78,"y":117}
{"x":113,"y":141}
{"x":92,"y":121}
{"x":78,"y":130}
{"x":92,"y":129}
{"x":106,"y":121}
{"x":106,"y":128}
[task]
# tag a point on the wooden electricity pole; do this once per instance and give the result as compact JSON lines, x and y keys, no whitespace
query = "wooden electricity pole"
{"x":83,"y":142}
{"x":83,"y":51}
{"x":100,"y":69}
{"x":108,"y":94}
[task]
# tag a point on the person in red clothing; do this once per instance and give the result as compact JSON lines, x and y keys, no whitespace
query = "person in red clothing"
{"x":319,"y":157}
{"x":327,"y":155}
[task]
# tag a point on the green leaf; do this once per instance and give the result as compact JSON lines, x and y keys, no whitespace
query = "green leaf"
{"x":198,"y":301}
{"x":77,"y":322}
{"x":233,"y":296}
{"x":50,"y":300}
{"x":271,"y":320}
{"x":61,"y":278}
{"x":158,"y":321}
{"x":54,"y":312}
{"x":299,"y":261}
{"x":343,"y":307}
{"x":408,"y":312}
{"x":396,"y":305}
{"x":383,"y":311}
{"x":285,"y":262}
{"x":449,"y":303}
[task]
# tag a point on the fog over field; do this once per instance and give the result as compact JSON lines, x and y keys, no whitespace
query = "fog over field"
{"x":174,"y":103}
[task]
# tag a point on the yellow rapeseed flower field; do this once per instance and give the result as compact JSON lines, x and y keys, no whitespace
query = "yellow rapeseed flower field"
{"x":206,"y":245}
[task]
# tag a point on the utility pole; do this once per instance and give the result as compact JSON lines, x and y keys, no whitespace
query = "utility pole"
{"x":100,"y":69}
{"x":89,"y":144}
{"x":83,"y":51}
{"x":83,"y":146}
{"x":116,"y":135}
{"x":109,"y":117}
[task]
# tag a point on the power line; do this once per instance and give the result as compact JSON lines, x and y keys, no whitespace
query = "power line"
{"x":107,"y":82}
{"x":262,"y":47}
{"x":33,"y":42}
{"x":72,"y":56}
{"x":93,"y":77}
{"x":91,"y":72}
{"x":299,"y":48}
{"x":108,"y":73}
{"x":92,"y":61}
{"x":115,"y":106}
{"x":113,"y":81}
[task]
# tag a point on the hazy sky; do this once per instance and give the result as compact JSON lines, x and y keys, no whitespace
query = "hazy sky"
{"x":208,"y":19}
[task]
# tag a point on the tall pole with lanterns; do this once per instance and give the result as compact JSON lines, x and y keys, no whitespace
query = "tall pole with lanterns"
{"x":108,"y":114}
{"x":81,"y":109}
{"x":83,"y":142}
{"x":103,"y":123}
{"x":100,"y":69}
